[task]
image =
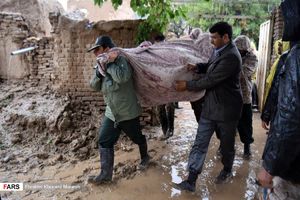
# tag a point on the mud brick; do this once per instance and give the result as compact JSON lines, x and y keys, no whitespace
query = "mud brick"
{"x":87,"y":98}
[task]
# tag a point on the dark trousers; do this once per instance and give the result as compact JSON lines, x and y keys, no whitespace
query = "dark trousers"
{"x":109,"y":135}
{"x":245,"y":124}
{"x":166,"y":116}
{"x":197,"y":107}
{"x":205,"y":130}
{"x":254,"y":96}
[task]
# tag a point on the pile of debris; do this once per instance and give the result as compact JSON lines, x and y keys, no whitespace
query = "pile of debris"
{"x":35,"y":119}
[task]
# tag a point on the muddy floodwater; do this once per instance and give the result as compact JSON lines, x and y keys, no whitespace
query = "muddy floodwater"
{"x":67,"y":180}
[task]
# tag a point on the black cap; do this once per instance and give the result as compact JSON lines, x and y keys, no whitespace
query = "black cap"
{"x":102,"y":41}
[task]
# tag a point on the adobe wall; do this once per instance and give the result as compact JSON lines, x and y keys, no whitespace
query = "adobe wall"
{"x":62,"y":63}
{"x":13,"y":30}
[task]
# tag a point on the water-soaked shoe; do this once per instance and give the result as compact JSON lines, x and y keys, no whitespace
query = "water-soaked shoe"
{"x":219,"y":153}
{"x":145,"y":158}
{"x":223,"y":177}
{"x":99,"y":180}
{"x":247,"y":152}
{"x":164,"y":137}
{"x":247,"y":156}
{"x":144,"y":163}
{"x":170,"y":133}
{"x":185,"y":185}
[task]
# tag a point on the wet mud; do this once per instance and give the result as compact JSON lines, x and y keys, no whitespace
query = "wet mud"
{"x":52,"y":151}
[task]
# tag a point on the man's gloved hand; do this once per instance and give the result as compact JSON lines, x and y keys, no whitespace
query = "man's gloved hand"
{"x":98,"y":73}
{"x":180,"y":86}
{"x":100,"y":69}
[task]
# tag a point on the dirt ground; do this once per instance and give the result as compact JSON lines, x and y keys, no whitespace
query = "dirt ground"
{"x":52,"y":166}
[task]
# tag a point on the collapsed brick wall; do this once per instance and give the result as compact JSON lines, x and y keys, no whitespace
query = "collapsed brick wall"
{"x":62,"y":62}
{"x":40,"y":60}
{"x":14,"y":25}
{"x":13,"y":30}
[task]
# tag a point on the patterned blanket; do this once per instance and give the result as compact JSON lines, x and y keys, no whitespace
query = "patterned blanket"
{"x":156,"y":68}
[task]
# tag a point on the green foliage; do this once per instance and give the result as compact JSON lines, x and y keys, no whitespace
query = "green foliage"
{"x":201,"y":14}
{"x":157,"y":15}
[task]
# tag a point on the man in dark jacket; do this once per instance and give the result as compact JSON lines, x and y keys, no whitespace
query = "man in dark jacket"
{"x":269,"y":109}
{"x":222,"y":104}
{"x":281,"y":157}
{"x":113,"y":77}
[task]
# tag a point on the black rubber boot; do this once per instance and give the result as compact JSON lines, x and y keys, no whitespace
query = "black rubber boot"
{"x":163,"y":119}
{"x":170,"y":118}
{"x":107,"y":164}
{"x":223,"y":176}
{"x":247,"y":151}
{"x":145,"y":158}
{"x":170,"y":133}
{"x":189,"y":184}
{"x":219,"y":153}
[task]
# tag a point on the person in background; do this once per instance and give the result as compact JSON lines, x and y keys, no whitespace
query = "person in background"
{"x":166,"y":111}
{"x":114,"y":80}
{"x":270,"y":101}
{"x":280,"y":117}
{"x":279,"y":48}
{"x":281,"y":156}
{"x":222,"y":104}
{"x":254,"y":96}
{"x":249,"y":65}
{"x":195,"y":33}
{"x":196,"y":105}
